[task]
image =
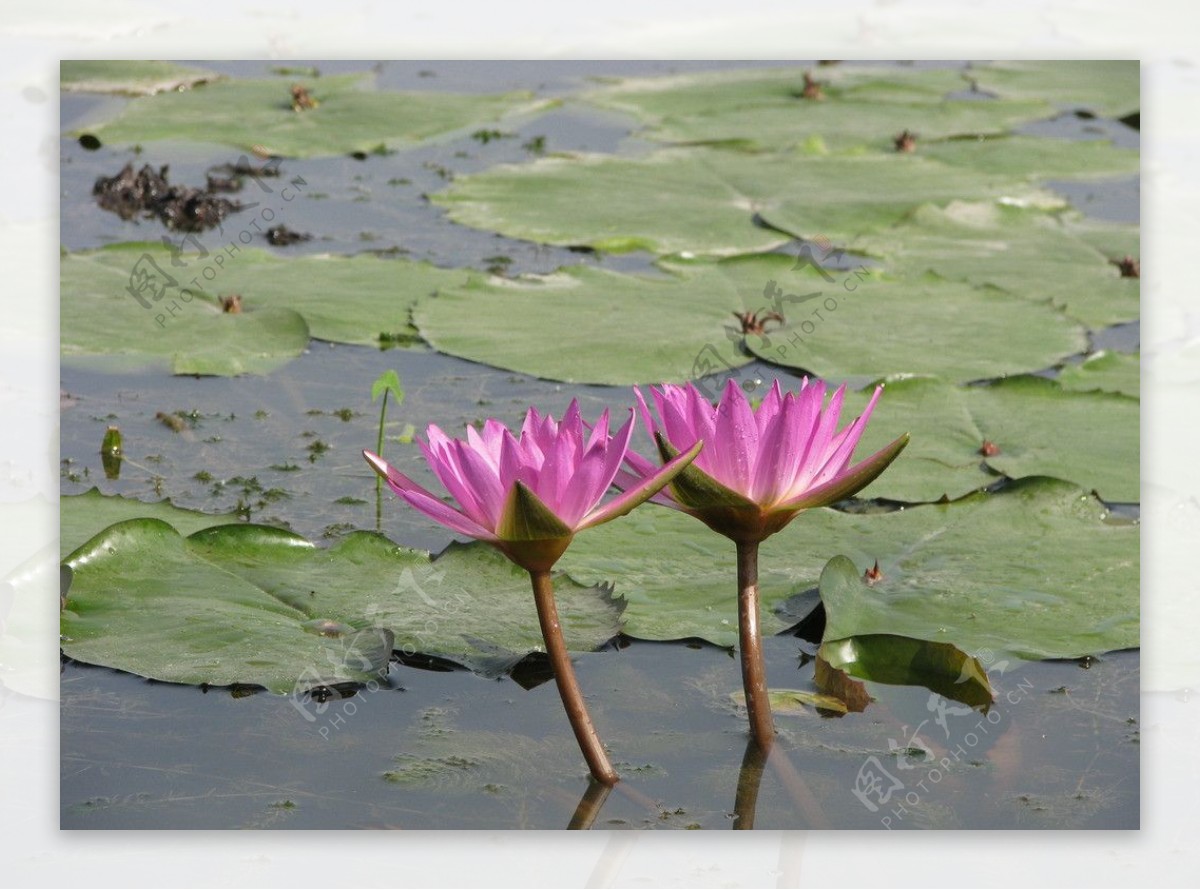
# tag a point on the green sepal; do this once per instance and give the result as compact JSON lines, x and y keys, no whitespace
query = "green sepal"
{"x":527,"y":518}
{"x":695,"y":489}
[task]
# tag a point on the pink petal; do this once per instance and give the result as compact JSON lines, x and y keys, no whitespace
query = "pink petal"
{"x":848,"y":482}
{"x":580,"y":495}
{"x":768,"y":409}
{"x":735,"y":441}
{"x":703,"y":425}
{"x":672,"y":410}
{"x":422,"y":500}
{"x":493,"y":432}
{"x":779,"y":452}
{"x":599,"y":432}
{"x":483,"y":479}
{"x":845,"y":443}
{"x":555,"y":475}
{"x":817,"y":451}
{"x":625,"y":481}
{"x":615,"y":454}
{"x":644,"y":409}
{"x":572,"y":422}
{"x":643,"y":491}
{"x":445,"y":467}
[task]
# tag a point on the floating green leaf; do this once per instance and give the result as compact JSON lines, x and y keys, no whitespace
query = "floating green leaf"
{"x":704,"y":200}
{"x":83,"y":516}
{"x":886,"y":657}
{"x":870,"y":323}
{"x":185,"y":330}
{"x":1108,"y":88}
{"x":1105,"y":371}
{"x":796,"y":701}
{"x":653,"y":99}
{"x":1037,"y":157}
{"x":620,"y":328}
{"x":256,"y":605}
{"x":1025,"y":252}
{"x":678,"y":579}
{"x":1032,"y":425}
{"x":350,"y":116}
{"x":861,"y":107}
{"x":128,"y":76}
{"x":642,"y":329}
{"x":1114,"y":240}
{"x":1033,"y":570}
{"x":903,"y":661}
{"x":284,"y":301}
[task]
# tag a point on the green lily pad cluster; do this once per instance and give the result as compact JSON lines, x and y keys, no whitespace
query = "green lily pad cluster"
{"x":250,"y":604}
{"x":943,"y":264}
{"x":964,"y":438}
{"x":146,"y":599}
{"x":345,"y":114}
{"x":284,"y":303}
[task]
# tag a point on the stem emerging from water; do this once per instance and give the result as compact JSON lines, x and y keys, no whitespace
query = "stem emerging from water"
{"x":568,"y":687}
{"x":754,"y":675}
{"x":379,"y":444}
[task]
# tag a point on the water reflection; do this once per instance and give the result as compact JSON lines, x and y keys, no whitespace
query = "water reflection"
{"x":750,"y":776}
{"x":589,"y":806}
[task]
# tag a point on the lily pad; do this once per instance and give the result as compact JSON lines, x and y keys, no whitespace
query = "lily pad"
{"x":653,"y":99}
{"x":249,"y":604}
{"x":1035,"y":157}
{"x":642,"y":329}
{"x":1105,"y":371}
{"x":134,"y":77}
{"x":902,"y":661}
{"x":350,"y":115}
{"x":1033,"y":570}
{"x":184,"y":329}
{"x":678,"y":580}
{"x":1031,"y":426}
{"x":704,"y":200}
{"x":797,"y":702}
{"x":83,"y":516}
{"x":1107,"y":88}
{"x":284,"y":301}
{"x":885,"y":657}
{"x":1114,"y":240}
{"x":623,"y":328}
{"x":1025,"y":252}
{"x":860,"y":108}
{"x":871,"y":323}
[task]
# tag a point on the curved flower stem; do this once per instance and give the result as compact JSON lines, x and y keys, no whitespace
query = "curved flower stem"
{"x":568,"y":687}
{"x":754,"y":675}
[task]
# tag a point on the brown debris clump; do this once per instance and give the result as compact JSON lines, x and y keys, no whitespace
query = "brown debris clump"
{"x":149,"y":193}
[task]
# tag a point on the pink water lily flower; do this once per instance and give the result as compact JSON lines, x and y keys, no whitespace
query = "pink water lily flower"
{"x":527,"y":495}
{"x":759,"y":467}
{"x":757,"y":471}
